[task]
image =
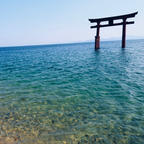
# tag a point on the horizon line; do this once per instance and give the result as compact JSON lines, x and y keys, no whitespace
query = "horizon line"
{"x":69,"y":43}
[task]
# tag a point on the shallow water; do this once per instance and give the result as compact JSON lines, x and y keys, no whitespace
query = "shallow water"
{"x":60,"y":94}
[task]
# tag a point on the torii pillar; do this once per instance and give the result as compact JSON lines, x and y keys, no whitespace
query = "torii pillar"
{"x":97,"y":37}
{"x":124,"y":34}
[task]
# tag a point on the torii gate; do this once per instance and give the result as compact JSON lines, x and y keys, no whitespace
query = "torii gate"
{"x":111,"y":22}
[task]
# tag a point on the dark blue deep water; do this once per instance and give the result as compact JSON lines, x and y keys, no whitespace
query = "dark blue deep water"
{"x":72,"y":94}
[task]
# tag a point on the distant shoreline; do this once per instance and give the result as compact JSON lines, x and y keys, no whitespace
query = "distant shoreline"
{"x":70,"y":43}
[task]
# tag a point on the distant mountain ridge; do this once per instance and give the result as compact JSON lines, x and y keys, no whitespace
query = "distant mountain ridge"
{"x":84,"y":41}
{"x":119,"y":38}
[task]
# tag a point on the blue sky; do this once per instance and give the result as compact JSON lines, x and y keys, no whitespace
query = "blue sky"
{"x":27,"y":22}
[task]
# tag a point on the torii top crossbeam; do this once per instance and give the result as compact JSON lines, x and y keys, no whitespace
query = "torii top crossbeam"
{"x":111,"y":22}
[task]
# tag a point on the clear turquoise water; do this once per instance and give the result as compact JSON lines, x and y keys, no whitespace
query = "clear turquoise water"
{"x":72,"y":94}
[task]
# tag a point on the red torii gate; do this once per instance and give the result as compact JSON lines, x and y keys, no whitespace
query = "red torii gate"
{"x":110,"y":21}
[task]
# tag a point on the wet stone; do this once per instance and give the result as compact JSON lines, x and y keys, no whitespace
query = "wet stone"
{"x":53,"y":121}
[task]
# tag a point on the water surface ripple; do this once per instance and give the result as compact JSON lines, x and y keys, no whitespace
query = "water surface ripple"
{"x":60,"y":94}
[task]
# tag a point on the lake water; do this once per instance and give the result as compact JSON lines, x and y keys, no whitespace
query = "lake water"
{"x":72,"y":94}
